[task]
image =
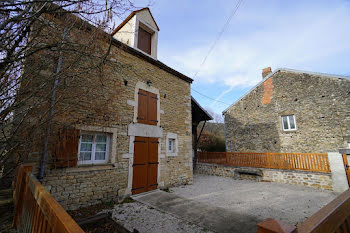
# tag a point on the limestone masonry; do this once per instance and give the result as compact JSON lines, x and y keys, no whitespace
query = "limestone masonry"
{"x":311,"y":179}
{"x":105,"y":100}
{"x":319,"y":103}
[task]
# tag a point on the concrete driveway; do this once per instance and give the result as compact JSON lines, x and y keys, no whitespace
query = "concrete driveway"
{"x":223,"y":204}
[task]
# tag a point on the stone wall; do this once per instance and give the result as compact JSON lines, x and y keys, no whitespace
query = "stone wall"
{"x":104,"y":97}
{"x":81,"y":187}
{"x":311,"y":179}
{"x":319,"y":103}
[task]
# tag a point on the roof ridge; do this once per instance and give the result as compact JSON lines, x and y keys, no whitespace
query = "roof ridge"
{"x":286,"y":70}
{"x":130,"y":16}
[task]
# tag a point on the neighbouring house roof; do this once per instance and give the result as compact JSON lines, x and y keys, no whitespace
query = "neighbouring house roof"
{"x":198,"y":112}
{"x":130,"y":16}
{"x":104,"y":35}
{"x":292,"y":71}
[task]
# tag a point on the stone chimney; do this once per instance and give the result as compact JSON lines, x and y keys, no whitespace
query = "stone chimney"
{"x":266,"y":72}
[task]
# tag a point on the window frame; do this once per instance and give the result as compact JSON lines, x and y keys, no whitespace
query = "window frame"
{"x":171,"y":143}
{"x":288,"y":122}
{"x":172,"y":136}
{"x":93,"y":149}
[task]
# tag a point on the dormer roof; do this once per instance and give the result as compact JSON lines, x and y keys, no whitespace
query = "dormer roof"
{"x":131,"y":15}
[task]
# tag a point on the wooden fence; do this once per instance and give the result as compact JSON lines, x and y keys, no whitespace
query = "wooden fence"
{"x":334,"y":217}
{"x":35,"y":209}
{"x":290,"y":161}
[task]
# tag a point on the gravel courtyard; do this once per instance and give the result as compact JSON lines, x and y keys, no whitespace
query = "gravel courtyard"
{"x":221,"y":201}
{"x":288,"y":203}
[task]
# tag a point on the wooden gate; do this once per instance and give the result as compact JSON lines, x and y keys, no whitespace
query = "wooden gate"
{"x":145,"y":166}
{"x":347,"y":168}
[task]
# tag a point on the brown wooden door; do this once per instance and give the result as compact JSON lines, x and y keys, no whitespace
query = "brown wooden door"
{"x":145,"y":167}
{"x":347,"y":168}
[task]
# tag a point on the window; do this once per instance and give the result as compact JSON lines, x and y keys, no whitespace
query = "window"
{"x":144,"y":41}
{"x":171,"y":145}
{"x":288,"y":123}
{"x":93,"y":148}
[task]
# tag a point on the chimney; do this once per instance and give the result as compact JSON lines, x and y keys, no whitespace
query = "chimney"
{"x":266,"y":72}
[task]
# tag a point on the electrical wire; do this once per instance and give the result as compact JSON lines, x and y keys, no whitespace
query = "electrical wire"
{"x":210,"y":97}
{"x":234,"y":11}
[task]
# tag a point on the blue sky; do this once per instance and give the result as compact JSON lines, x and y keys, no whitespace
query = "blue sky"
{"x":306,"y":35}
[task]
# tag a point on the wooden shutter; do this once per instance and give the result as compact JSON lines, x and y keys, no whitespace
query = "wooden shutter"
{"x":142,"y":107}
{"x":67,"y":144}
{"x":144,"y":41}
{"x":152,"y":109}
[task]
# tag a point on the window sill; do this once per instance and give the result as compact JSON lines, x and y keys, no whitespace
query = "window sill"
{"x":91,"y":167}
{"x":171,"y":154}
{"x":290,"y":131}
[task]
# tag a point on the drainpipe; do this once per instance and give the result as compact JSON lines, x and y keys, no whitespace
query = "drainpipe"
{"x":52,"y":104}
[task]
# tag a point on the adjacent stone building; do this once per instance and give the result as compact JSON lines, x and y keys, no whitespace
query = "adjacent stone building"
{"x":122,"y":129}
{"x":291,"y":111}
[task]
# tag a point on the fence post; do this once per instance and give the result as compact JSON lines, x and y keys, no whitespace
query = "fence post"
{"x":268,"y":160}
{"x":20,"y":185}
{"x":273,"y":226}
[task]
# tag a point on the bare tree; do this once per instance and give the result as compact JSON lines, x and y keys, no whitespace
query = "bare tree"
{"x":217,"y":118}
{"x":34,"y":43}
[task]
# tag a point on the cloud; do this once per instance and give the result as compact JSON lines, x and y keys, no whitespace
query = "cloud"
{"x":303,"y":36}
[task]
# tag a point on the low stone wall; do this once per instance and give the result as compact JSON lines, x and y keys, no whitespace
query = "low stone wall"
{"x":79,"y":187}
{"x":311,"y":179}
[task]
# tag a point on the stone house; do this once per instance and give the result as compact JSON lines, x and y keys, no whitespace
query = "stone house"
{"x":291,"y":111}
{"x":129,"y":124}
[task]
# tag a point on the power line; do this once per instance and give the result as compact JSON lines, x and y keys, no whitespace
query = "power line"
{"x":235,"y":9}
{"x":210,"y":97}
{"x":219,"y":36}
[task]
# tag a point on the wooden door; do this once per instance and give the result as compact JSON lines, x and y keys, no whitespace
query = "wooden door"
{"x":346,"y":166}
{"x":152,"y":164}
{"x":145,"y":166}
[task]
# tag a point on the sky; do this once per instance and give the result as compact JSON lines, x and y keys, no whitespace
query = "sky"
{"x":311,"y":35}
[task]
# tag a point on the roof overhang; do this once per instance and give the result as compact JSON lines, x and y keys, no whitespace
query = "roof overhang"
{"x":198,"y":112}
{"x":132,"y":15}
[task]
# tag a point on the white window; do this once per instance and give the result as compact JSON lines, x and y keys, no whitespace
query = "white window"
{"x":93,"y":148}
{"x":171,"y":145}
{"x":288,"y":123}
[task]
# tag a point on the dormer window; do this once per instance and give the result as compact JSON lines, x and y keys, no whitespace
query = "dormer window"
{"x":140,"y":31}
{"x":144,"y":41}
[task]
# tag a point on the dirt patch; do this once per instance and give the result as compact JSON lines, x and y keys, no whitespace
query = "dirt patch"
{"x":106,"y":225}
{"x":85,"y":212}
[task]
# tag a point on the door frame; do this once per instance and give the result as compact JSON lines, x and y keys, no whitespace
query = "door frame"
{"x":346,"y":167}
{"x":130,"y":156}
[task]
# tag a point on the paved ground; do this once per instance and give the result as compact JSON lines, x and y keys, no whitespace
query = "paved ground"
{"x":211,"y":217}
{"x":145,"y":219}
{"x":226,"y":205}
